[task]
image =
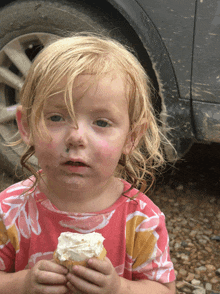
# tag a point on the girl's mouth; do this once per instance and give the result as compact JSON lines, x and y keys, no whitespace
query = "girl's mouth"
{"x":76,"y":167}
{"x":75,"y":163}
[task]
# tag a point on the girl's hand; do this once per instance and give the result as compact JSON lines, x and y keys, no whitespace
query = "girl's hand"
{"x":100,"y":277}
{"x":46,"y":277}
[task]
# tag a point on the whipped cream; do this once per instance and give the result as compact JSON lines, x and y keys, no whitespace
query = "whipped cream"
{"x":78,"y":247}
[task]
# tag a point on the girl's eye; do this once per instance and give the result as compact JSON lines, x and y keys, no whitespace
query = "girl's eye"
{"x":102,"y":123}
{"x":56,"y":118}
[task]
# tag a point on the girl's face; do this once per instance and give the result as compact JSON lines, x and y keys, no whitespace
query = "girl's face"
{"x":87,"y":156}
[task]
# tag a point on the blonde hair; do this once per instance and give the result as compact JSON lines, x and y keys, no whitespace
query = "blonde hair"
{"x":96,"y":55}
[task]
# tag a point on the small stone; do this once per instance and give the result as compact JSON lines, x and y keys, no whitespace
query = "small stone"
{"x":184,"y":222}
{"x":164,"y":198}
{"x":208,"y":249}
{"x":186,"y":290}
{"x":182,"y":272}
{"x":218,"y":272}
{"x":190,"y":277}
{"x":202,"y":241}
{"x":206,"y":238}
{"x":216,"y":238}
{"x":214,"y":280}
{"x":210,"y":267}
{"x":201,"y":269}
{"x":207,"y":232}
{"x":180,"y":188}
{"x":180,"y":284}
{"x":218,"y":215}
{"x":199,"y":291}
{"x":177,"y":245}
{"x":184,"y":244}
{"x":212,"y":200}
{"x":195,"y":282}
{"x":193,"y":233}
{"x":208,"y":286}
{"x":186,"y":262}
{"x":191,"y":244}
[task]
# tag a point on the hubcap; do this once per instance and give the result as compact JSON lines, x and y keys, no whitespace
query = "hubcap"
{"x":15,"y":60}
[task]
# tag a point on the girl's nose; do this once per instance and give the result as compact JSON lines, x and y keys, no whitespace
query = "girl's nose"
{"x":75,"y":136}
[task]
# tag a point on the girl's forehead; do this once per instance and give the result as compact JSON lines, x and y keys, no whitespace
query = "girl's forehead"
{"x":56,"y":100}
{"x":86,"y":89}
{"x":86,"y":83}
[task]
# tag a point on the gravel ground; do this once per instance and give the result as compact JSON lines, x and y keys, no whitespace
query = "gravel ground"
{"x":189,"y":197}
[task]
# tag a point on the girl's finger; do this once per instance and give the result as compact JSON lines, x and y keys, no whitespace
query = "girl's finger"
{"x":51,"y":266}
{"x":51,"y":278}
{"x":103,"y":266}
{"x":87,"y":274}
{"x":77,"y":283}
{"x":53,"y":289}
{"x":72,"y":289}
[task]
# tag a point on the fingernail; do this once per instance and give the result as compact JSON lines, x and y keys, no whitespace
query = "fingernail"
{"x":90,"y":261}
{"x":75,"y":267}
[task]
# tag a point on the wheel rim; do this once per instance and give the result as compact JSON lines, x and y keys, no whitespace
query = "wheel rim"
{"x":15,"y":60}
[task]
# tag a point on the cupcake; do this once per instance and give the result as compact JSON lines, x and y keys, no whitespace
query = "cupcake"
{"x":77,"y":249}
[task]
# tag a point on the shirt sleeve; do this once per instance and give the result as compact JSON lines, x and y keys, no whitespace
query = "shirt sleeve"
{"x":7,"y":251}
{"x":149,"y":249}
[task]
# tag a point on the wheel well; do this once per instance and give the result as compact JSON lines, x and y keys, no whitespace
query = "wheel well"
{"x":120,"y":29}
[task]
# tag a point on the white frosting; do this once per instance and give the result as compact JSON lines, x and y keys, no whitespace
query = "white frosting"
{"x":78,"y":247}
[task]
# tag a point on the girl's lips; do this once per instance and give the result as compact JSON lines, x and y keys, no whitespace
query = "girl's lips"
{"x":75,"y":163}
{"x":75,"y":166}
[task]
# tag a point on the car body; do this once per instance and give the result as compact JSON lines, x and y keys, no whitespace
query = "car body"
{"x":177,"y":42}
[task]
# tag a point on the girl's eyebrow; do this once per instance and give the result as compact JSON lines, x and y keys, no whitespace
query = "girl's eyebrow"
{"x":104,"y":110}
{"x":55,"y":104}
{"x":60,"y":106}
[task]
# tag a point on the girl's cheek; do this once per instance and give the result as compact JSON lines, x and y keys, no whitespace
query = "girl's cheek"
{"x":108,"y":150}
{"x":44,"y":145}
{"x":45,"y":149}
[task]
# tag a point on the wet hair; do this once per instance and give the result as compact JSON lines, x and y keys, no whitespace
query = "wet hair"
{"x":98,"y":56}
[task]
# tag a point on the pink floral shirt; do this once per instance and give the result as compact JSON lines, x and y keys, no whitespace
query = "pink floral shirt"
{"x":135,"y":234}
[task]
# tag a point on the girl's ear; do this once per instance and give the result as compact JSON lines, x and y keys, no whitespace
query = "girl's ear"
{"x":23,"y":127}
{"x":133,"y":139}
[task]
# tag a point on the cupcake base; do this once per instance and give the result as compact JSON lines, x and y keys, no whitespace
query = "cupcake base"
{"x":70,"y":263}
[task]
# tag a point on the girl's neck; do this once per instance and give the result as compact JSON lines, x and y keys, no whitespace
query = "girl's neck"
{"x":93,"y":200}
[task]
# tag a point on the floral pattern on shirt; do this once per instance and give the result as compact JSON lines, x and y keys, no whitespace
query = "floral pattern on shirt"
{"x":20,"y":218}
{"x":2,"y":264}
{"x":87,"y":223}
{"x":140,"y":228}
{"x":144,"y":255}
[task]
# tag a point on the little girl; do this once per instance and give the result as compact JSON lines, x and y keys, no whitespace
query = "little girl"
{"x":86,"y":115}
